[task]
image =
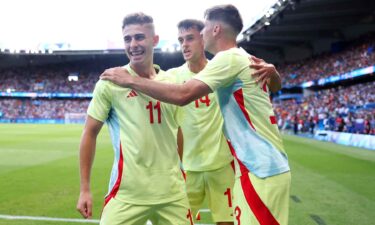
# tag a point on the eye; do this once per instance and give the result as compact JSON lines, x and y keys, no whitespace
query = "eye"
{"x":127,"y":39}
{"x":139,"y":37}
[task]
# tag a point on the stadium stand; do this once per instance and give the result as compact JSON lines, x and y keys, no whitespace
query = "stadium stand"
{"x":346,"y":105}
{"x":360,"y":54}
{"x":41,"y":108}
{"x":343,"y":108}
{"x":48,"y":80}
{"x":323,"y":50}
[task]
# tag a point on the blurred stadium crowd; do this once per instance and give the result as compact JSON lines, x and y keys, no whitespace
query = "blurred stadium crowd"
{"x":41,"y":108}
{"x":47,"y":80}
{"x":349,"y":108}
{"x":337,"y":109}
{"x":358,"y":55}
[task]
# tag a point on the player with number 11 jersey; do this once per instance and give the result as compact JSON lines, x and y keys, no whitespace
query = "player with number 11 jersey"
{"x":146,"y":170}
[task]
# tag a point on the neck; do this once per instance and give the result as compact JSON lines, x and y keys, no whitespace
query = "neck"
{"x":197,"y":66}
{"x":146,"y":71}
{"x":222,"y":45}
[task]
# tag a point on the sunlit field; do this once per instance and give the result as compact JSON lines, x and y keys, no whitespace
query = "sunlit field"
{"x":39,"y":178}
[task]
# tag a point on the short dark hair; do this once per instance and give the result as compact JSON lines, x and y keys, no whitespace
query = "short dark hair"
{"x":137,"y":18}
{"x":191,"y":23}
{"x":228,"y":14}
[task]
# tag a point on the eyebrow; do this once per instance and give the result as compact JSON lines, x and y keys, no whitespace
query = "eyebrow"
{"x":134,"y":36}
{"x":187,"y":36}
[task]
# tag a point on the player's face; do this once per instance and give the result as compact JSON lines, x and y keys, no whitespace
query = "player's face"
{"x":139,"y":43}
{"x":207,"y":34}
{"x":191,"y":43}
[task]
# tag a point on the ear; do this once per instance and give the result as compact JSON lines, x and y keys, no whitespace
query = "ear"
{"x":156,"y":40}
{"x":217,"y":29}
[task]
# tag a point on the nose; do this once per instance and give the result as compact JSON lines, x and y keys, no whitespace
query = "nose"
{"x":201,"y":33}
{"x":133,"y":43}
{"x":184,"y":43}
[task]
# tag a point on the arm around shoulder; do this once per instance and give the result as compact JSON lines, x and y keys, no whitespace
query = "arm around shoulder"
{"x":177,"y":94}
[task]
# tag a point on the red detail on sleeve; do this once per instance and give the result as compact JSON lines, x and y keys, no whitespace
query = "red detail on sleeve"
{"x":273,"y":119}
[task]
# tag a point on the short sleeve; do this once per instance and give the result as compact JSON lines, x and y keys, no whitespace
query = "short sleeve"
{"x":223,"y":69}
{"x":100,"y":104}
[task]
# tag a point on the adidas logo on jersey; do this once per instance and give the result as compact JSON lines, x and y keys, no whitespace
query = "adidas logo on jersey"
{"x":132,"y":93}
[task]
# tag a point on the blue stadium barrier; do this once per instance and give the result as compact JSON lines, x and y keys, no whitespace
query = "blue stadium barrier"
{"x":35,"y":121}
{"x":298,"y":97}
{"x":349,"y":139}
{"x":334,"y":78}
{"x":44,"y":95}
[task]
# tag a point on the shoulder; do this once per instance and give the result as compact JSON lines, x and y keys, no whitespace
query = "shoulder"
{"x":177,"y":70}
{"x":165,"y":76}
{"x":102,"y":84}
{"x":233,"y":53}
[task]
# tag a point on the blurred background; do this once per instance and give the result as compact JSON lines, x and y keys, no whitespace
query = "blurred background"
{"x":52,"y":53}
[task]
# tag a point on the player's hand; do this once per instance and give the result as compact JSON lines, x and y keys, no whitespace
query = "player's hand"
{"x":117,"y":75}
{"x":264,"y":71}
{"x":84,"y":205}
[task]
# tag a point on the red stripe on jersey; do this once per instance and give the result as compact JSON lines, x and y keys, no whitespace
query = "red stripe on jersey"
{"x":260,"y":210}
{"x":118,"y":181}
{"x":257,"y":206}
{"x":198,"y":216}
{"x":273,"y":119}
{"x":190,"y":217}
{"x":243,"y":169}
{"x":232,"y":150}
{"x":238,"y":95}
{"x":232,"y":164}
{"x":183,"y":174}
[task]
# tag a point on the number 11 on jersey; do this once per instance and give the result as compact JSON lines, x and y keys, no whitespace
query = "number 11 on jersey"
{"x":151,"y":109}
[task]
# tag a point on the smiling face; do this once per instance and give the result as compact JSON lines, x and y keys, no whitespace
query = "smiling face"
{"x":139,"y":42}
{"x":191,"y":43}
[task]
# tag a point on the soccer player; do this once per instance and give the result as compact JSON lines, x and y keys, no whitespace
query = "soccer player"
{"x":262,"y":184}
{"x":206,"y":155}
{"x":146,"y":181}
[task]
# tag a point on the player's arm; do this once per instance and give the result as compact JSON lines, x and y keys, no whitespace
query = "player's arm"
{"x":86,"y":156}
{"x":178,"y":94}
{"x":171,"y":93}
{"x":180,"y":143}
{"x":266,"y":73}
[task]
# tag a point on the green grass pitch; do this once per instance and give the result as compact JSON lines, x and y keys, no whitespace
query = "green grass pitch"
{"x":331,"y":184}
